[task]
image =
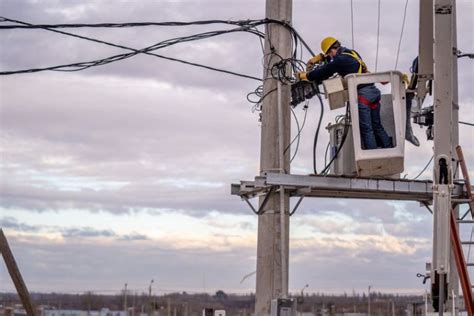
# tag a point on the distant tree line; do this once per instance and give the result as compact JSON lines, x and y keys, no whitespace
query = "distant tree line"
{"x":191,"y":304}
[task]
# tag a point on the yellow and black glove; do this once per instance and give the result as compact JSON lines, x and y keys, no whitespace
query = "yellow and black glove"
{"x":314,"y":60}
{"x":405,"y":80}
{"x":301,"y":76}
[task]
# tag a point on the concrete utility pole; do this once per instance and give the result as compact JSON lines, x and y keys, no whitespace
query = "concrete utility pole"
{"x":454,"y":276}
{"x":15,"y":274}
{"x":273,"y":226}
{"x":455,"y":117}
{"x":443,"y":140}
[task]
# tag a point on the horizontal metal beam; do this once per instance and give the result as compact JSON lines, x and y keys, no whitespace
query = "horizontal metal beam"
{"x":342,"y":187}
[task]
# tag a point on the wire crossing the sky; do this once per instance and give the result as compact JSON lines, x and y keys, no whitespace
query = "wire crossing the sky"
{"x":244,"y":26}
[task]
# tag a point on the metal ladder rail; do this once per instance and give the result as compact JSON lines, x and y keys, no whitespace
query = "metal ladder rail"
{"x":467,"y":181}
{"x":461,"y":264}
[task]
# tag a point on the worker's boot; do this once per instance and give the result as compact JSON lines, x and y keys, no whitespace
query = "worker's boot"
{"x":408,"y":130}
{"x":409,"y":134}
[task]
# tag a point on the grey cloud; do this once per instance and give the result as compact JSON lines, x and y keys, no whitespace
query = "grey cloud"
{"x":356,"y":268}
{"x":80,"y":264}
{"x":360,"y":210}
{"x":77,"y":233}
{"x":400,"y":220}
{"x":196,"y":202}
{"x":86,"y":232}
{"x":77,"y":264}
{"x":104,"y":124}
{"x":13,"y":223}
{"x":132,"y":237}
{"x":124,"y":147}
{"x":247,"y":226}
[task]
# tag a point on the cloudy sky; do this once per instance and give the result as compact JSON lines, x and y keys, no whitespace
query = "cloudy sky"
{"x":121,"y":173}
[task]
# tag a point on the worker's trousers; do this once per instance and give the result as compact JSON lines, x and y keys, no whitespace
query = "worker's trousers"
{"x":372,"y":133}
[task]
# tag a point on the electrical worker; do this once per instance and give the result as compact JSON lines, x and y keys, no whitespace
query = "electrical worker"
{"x":346,"y":61}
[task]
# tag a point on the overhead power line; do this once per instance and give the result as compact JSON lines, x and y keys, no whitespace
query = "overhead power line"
{"x":461,"y":55}
{"x":147,"y":51}
{"x":424,"y":168}
{"x":352,"y":24}
{"x":378,"y":36}
{"x":466,"y":123}
{"x":401,"y":33}
{"x":249,"y":22}
{"x":244,"y":26}
{"x":119,"y":25}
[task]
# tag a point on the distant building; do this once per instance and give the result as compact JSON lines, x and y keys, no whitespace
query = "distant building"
{"x":64,"y":312}
{"x":71,"y":312}
{"x":14,"y":311}
{"x":212,"y":312}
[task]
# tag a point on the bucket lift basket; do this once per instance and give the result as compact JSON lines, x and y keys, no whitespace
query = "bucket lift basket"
{"x":381,"y":161}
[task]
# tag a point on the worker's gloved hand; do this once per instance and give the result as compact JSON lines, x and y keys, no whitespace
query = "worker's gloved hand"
{"x":314,"y":60}
{"x":301,"y":76}
{"x":405,"y":80}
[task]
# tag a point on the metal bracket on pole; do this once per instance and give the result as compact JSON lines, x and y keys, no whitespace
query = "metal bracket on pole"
{"x":264,"y":202}
{"x":427,"y":207}
{"x":297,"y":205}
{"x":302,"y":194}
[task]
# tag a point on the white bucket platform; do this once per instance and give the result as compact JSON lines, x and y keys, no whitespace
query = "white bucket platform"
{"x":381,"y":161}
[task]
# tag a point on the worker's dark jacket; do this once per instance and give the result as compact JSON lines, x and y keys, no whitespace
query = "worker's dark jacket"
{"x":372,"y":133}
{"x":341,"y":64}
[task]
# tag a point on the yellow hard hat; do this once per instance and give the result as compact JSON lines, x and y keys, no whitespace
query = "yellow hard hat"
{"x":327,"y":43}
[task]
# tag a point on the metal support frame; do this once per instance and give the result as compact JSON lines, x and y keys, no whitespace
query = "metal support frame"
{"x":343,"y":187}
{"x":264,"y":201}
{"x":443,"y":174}
{"x":297,"y":204}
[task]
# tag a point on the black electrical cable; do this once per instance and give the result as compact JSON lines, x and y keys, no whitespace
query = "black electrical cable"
{"x":292,"y":30}
{"x":250,"y":26}
{"x":279,"y":70}
{"x":296,"y":137}
{"x":466,"y":123}
{"x":251,"y":23}
{"x":471,"y":56}
{"x":316,"y":135}
{"x":145,"y":51}
{"x":84,"y":65}
{"x":326,"y":153}
{"x":245,"y":25}
{"x":121,"y":25}
{"x":300,"y":129}
{"x":421,"y":172}
{"x":259,"y":93}
{"x":344,"y":136}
